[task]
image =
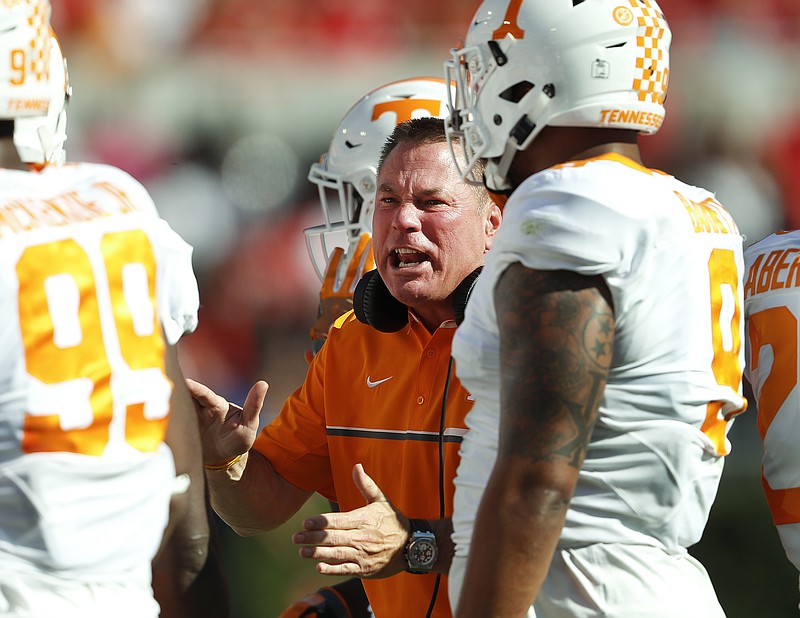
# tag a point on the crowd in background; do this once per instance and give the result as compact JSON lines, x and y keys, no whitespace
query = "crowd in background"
{"x":219,"y":107}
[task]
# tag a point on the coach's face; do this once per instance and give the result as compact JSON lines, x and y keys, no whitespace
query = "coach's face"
{"x":430,"y":229}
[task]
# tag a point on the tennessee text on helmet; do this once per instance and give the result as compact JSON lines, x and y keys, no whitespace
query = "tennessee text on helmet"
{"x":527,"y":64}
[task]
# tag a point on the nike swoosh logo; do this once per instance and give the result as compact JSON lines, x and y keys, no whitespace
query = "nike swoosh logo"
{"x":371,"y":384}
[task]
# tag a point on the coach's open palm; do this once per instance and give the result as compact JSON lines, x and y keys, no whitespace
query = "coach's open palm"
{"x":226,"y":430}
{"x":367,"y":542}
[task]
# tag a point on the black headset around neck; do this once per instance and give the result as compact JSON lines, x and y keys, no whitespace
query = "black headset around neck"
{"x":374,"y":305}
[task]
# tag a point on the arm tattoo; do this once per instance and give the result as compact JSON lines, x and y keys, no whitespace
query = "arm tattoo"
{"x":556,"y":345}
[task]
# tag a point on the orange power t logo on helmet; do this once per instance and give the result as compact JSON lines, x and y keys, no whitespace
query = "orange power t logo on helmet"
{"x":404,"y":108}
{"x":509,"y":25}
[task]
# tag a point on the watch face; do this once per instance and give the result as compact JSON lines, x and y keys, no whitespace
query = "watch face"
{"x":423,"y":552}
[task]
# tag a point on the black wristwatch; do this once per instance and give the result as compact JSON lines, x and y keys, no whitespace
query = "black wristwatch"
{"x":421,"y":550}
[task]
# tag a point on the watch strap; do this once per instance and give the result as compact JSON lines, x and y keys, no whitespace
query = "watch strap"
{"x":421,"y":532}
{"x":419,"y":525}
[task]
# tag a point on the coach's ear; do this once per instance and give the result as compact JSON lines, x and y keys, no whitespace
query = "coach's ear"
{"x":492,"y":223}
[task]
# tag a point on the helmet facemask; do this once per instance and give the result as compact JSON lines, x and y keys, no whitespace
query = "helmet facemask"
{"x":346,"y":174}
{"x":347,"y":207}
{"x":40,"y":140}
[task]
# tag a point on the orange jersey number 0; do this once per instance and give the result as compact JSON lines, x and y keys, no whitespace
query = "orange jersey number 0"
{"x":725,"y":365}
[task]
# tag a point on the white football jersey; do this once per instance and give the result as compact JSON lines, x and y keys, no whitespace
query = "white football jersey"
{"x":672,"y":259}
{"x":772,"y":315}
{"x":90,"y":280}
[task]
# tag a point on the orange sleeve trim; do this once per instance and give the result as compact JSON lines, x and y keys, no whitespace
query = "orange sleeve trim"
{"x":783,"y":503}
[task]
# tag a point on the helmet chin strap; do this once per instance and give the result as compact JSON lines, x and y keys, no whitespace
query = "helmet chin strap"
{"x":495,"y":182}
{"x":51,"y":151}
{"x":497,"y":168}
{"x":495,"y":177}
{"x":520,"y":137}
{"x":46,"y":140}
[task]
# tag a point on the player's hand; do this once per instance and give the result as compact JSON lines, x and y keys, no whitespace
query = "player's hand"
{"x":367,"y":542}
{"x":336,"y":295}
{"x":226,"y":430}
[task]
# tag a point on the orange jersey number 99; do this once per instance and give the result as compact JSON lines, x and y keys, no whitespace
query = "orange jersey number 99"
{"x":68,"y":345}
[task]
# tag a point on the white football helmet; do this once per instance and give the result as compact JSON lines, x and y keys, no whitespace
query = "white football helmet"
{"x":527,"y":64}
{"x":346,"y":174}
{"x":34,"y":86}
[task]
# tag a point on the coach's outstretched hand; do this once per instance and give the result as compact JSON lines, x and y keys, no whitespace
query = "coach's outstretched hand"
{"x":226,"y":430}
{"x":367,"y":542}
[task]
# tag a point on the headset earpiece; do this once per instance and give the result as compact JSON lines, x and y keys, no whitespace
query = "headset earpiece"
{"x":374,"y":305}
{"x":462,"y":293}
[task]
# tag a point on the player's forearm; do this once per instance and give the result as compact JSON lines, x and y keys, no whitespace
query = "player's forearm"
{"x":790,"y":538}
{"x":188,"y":575}
{"x":516,"y":531}
{"x":189,"y":580}
{"x":251,"y":497}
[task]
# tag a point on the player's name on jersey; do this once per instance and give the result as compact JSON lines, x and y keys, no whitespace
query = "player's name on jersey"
{"x":775,"y":270}
{"x":100,"y":199}
{"x":709,"y":216}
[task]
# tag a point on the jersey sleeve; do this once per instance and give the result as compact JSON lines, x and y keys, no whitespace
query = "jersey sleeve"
{"x":295,"y":442}
{"x":772,"y":309}
{"x":560,"y":230}
{"x":179,"y":295}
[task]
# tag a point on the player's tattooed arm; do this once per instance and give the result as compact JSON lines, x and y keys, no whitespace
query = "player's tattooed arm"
{"x":556,"y":333}
{"x":556,"y":336}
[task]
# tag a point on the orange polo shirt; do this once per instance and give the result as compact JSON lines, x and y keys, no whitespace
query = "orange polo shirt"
{"x":376,"y":398}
